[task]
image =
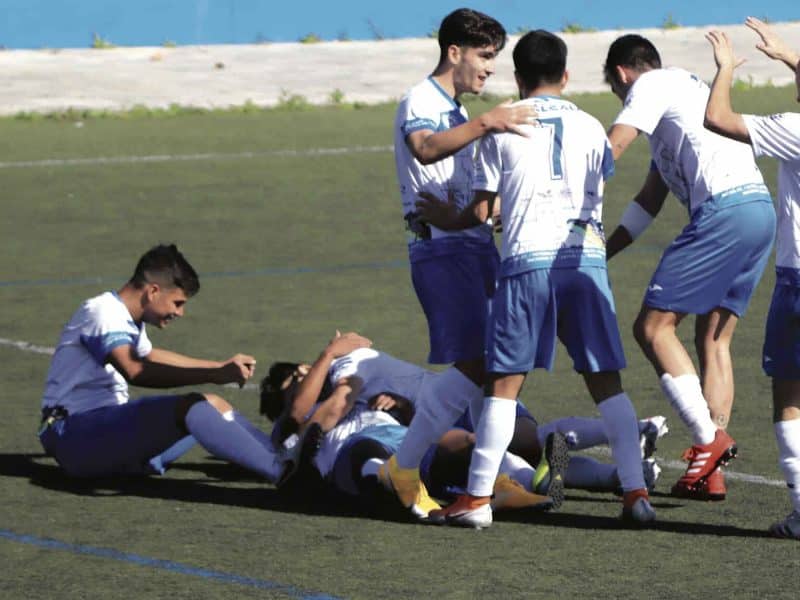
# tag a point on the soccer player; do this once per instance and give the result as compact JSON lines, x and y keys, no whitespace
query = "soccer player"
{"x":777,"y":136}
{"x":91,"y":426}
{"x":712,"y":267}
{"x":453,"y":273}
{"x":553,"y":280}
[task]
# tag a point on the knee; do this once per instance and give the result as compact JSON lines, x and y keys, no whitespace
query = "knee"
{"x":643,"y":332}
{"x":218,"y":402}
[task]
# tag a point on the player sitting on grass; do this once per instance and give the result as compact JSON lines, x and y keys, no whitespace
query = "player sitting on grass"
{"x":91,"y":426}
{"x":372,"y":385}
{"x":777,"y":136}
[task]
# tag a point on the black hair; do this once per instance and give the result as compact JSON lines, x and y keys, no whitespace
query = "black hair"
{"x":272,"y":396}
{"x":467,"y":27}
{"x":540,"y":57}
{"x":164,"y":264}
{"x":633,"y":51}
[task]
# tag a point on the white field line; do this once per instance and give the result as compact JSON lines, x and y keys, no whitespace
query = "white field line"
{"x":49,"y":350}
{"x":678,"y":465}
{"x":161,"y":158}
{"x":663,"y":463}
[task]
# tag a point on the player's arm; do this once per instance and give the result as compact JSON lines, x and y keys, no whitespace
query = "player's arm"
{"x":336,"y":406}
{"x":144,"y":372}
{"x":447,"y":217}
{"x":429,"y":146}
{"x":310,"y":387}
{"x":620,"y":136}
{"x":720,"y":116}
{"x":168,"y":357}
{"x":639,"y":214}
{"x":772,"y":45}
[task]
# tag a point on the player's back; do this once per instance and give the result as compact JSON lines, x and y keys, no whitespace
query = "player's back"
{"x":551,"y":184}
{"x":668,"y":105}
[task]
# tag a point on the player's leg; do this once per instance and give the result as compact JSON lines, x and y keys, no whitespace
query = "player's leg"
{"x":781,"y":362}
{"x":786,"y":407}
{"x":713,"y":335}
{"x":114,"y":440}
{"x":228,"y":435}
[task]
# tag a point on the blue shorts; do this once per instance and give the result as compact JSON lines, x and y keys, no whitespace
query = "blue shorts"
{"x":114,"y":440}
{"x":717,"y":260}
{"x":388,"y":436}
{"x":531,"y":309}
{"x":781,"y":356}
{"x":455,"y":291}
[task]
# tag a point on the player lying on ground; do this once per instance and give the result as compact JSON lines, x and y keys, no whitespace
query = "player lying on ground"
{"x":777,"y":136}
{"x":374,"y":386}
{"x":553,"y":281}
{"x":711,"y":269}
{"x":89,"y":423}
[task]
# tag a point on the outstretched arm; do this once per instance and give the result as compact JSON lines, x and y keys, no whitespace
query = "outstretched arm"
{"x":720,"y":116}
{"x":620,"y":136}
{"x":429,"y":147}
{"x":639,"y":214}
{"x":150,"y":372}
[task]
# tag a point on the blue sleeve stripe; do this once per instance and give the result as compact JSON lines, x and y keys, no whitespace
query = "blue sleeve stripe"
{"x":413,"y":125}
{"x":100,"y":346}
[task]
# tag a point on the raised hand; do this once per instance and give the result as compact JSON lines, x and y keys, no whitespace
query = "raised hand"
{"x":724,"y":55}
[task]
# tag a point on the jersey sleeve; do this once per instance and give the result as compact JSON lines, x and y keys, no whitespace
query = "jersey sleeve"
{"x":776,"y":136}
{"x":645,"y":105}
{"x":488,"y":167}
{"x":415,"y":116}
{"x":143,"y":345}
{"x":105,"y":327}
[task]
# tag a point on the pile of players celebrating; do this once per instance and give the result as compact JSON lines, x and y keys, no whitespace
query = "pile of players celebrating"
{"x":371,"y":425}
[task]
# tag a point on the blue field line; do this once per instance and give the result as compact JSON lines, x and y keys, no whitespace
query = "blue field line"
{"x":166,"y":565}
{"x":267,"y":271}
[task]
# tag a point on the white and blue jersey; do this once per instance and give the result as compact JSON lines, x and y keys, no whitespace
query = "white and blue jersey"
{"x":427,"y":106}
{"x":552,"y":200}
{"x":778,"y":136}
{"x":79,"y":378}
{"x":553,"y":279}
{"x":668,"y":106}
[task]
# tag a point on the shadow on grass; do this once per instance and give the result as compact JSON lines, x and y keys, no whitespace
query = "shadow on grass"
{"x":313,"y":497}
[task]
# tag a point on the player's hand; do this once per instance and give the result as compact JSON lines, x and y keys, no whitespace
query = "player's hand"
{"x":510,"y":116}
{"x":437,"y":212}
{"x":345,"y":343}
{"x":382,"y":402}
{"x":237,"y":369}
{"x":770,"y":44}
{"x":723,"y":50}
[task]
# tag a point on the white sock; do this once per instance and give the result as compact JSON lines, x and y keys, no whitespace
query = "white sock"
{"x":686,"y":397}
{"x":787,"y":434}
{"x":581,"y":432}
{"x":588,"y":474}
{"x":518,"y":469}
{"x":371,"y":467}
{"x":622,"y":428}
{"x":492,"y":437}
{"x":441,"y":400}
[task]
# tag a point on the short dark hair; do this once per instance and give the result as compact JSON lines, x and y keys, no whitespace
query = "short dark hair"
{"x":540,"y":57}
{"x":271,"y":403}
{"x":633,"y":51}
{"x":467,"y":27}
{"x":164,"y":264}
